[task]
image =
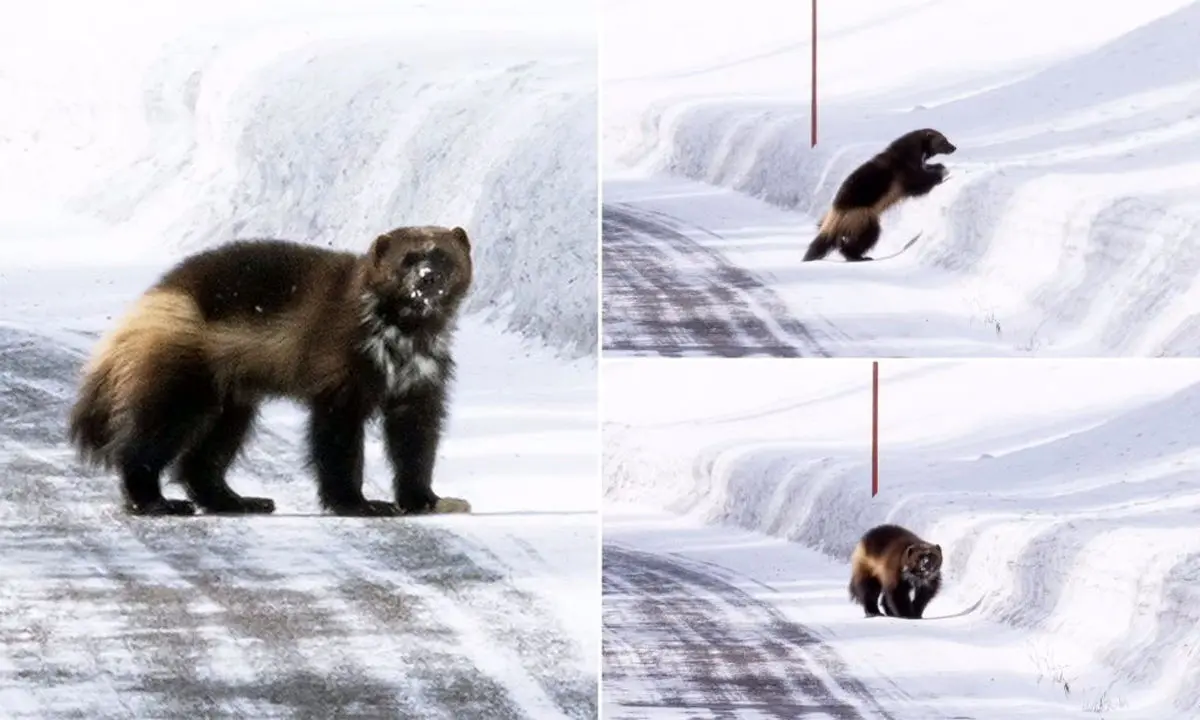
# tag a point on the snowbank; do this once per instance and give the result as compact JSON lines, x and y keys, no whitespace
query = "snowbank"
{"x":193,"y":124}
{"x":1071,"y":212}
{"x":1065,"y":494}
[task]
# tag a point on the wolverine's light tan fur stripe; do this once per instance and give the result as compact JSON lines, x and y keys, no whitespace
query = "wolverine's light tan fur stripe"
{"x":885,"y":567}
{"x":157,"y":325}
{"x":851,"y":222}
{"x":167,"y":323}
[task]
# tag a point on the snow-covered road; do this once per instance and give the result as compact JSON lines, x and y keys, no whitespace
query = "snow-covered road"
{"x":667,"y":294}
{"x":680,"y":639}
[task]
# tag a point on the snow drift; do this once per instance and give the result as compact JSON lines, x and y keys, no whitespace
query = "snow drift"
{"x":191,"y":125}
{"x":1065,"y":495}
{"x":1071,"y":215}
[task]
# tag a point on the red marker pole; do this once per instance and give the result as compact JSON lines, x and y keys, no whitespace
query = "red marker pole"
{"x":874,"y":429}
{"x":813,"y":103}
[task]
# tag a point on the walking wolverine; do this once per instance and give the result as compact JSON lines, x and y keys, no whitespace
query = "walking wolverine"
{"x":899,"y":172}
{"x":892,"y":562}
{"x":180,"y":378}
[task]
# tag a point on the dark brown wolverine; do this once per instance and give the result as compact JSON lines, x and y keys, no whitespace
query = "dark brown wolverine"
{"x":894,"y":563}
{"x":181,"y":377}
{"x":898,"y":173}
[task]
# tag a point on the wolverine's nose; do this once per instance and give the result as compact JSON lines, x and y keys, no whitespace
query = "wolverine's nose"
{"x":428,"y":277}
{"x":428,"y":283}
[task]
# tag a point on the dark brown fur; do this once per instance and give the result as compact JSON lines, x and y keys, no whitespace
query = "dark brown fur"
{"x":180,"y":378}
{"x":891,"y":562}
{"x":898,"y":173}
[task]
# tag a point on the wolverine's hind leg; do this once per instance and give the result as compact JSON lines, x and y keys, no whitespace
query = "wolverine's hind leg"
{"x":866,"y":591}
{"x":164,"y":417}
{"x":821,"y":246}
{"x":202,"y":468}
{"x":860,"y":242}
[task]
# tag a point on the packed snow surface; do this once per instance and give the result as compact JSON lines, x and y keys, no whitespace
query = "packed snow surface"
{"x":134,"y":133}
{"x":1064,"y":493}
{"x":1070,"y":220}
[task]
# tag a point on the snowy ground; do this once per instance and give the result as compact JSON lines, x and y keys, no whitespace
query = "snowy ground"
{"x":1065,"y":495}
{"x":143,"y":132}
{"x":1068,"y":226}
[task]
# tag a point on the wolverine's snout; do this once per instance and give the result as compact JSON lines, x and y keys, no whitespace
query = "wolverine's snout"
{"x":427,"y":280}
{"x":426,"y":284}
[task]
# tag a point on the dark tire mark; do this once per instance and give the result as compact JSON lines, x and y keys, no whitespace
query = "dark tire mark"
{"x":666,"y":294}
{"x":111,"y":616}
{"x":691,"y":641}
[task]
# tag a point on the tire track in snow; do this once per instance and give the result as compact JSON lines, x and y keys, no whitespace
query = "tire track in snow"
{"x":104,"y":615}
{"x":666,"y":294}
{"x":685,"y":640}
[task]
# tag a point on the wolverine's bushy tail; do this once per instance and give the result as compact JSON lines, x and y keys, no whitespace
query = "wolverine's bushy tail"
{"x":122,"y":370}
{"x":90,"y":425}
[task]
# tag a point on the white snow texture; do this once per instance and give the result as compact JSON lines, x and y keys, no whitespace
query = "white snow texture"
{"x":194,"y":123}
{"x":1070,"y":220}
{"x":1065,"y":494}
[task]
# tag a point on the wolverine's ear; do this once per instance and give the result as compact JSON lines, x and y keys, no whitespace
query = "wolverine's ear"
{"x":461,"y":236}
{"x":380,"y":248}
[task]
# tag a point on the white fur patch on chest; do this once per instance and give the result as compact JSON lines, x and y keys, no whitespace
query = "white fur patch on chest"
{"x":403,"y":367}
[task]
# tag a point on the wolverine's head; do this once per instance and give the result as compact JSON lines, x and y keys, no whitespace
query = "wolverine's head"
{"x":934,"y":143}
{"x":418,"y":275}
{"x":918,"y":146}
{"x":922,"y":561}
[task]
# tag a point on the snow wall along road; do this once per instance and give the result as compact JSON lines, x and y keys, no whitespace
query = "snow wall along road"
{"x":192,"y":124}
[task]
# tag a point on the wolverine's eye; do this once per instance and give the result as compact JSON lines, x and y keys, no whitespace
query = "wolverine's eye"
{"x":410,"y":259}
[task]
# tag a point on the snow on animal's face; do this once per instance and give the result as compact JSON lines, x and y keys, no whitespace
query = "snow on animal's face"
{"x":419,"y":274}
{"x":923,"y":561}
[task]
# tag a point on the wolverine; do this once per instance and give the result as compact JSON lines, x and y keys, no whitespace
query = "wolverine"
{"x":900,"y":172}
{"x":180,"y":378}
{"x":894,"y":563}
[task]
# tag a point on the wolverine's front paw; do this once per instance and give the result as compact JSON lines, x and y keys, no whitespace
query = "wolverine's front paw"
{"x":448,"y":505}
{"x":434,"y":505}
